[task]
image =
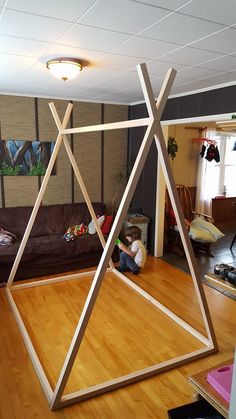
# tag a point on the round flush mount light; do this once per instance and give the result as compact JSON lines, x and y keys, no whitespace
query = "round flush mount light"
{"x":64,"y":68}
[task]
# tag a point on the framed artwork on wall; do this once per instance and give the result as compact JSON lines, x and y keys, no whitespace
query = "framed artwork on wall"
{"x":25,"y":158}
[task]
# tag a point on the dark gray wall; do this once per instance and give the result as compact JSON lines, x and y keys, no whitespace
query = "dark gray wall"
{"x":144,"y":196}
{"x":212,"y":102}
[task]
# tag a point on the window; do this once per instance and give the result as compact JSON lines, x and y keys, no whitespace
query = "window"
{"x":221,"y":177}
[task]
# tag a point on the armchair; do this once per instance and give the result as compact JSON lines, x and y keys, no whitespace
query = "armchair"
{"x":201,"y":244}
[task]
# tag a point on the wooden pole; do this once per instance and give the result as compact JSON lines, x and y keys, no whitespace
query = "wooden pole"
{"x":39,"y":198}
{"x":121,"y":214}
{"x":79,"y":178}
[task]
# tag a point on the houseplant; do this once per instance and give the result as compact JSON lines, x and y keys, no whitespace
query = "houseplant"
{"x":172,"y":147}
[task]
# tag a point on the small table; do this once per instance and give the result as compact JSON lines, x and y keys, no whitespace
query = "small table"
{"x":200,"y":384}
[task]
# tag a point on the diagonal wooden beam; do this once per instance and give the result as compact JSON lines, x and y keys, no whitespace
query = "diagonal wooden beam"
{"x":121,"y":214}
{"x":39,"y":198}
{"x":78,"y":177}
{"x":175,"y":202}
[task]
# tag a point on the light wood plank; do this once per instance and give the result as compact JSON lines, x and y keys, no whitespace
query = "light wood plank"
{"x":104,"y":127}
{"x":223,"y":284}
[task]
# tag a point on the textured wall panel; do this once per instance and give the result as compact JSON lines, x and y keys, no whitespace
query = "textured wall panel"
{"x":20,"y":190}
{"x":18,"y":121}
{"x":87,"y":150}
{"x":115,"y":154}
{"x":59,"y":186}
{"x":17,"y":118}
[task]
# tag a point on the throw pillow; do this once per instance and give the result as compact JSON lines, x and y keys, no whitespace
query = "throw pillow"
{"x":107,"y":224}
{"x":91,"y":226}
{"x":6,"y":237}
{"x":200,"y":223}
{"x":201,"y":235}
{"x":75,"y":230}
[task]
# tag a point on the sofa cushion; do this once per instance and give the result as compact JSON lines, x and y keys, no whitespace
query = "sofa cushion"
{"x":51,"y":219}
{"x":53,"y":245}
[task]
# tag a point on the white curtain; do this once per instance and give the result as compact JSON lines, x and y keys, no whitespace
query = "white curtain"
{"x":204,"y":192}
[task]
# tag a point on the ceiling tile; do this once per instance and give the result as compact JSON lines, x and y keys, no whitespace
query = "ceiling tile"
{"x":22,"y":46}
{"x":61,"y":50}
{"x":194,"y":73}
{"x":122,"y":81}
{"x":40,"y":76}
{"x":82,"y":36}
{"x":190,"y":56}
{"x":180,"y":29}
{"x":168,"y":4}
{"x":219,"y":79}
{"x":121,"y":97}
{"x":119,"y":61}
{"x":32,"y":26}
{"x":9,"y":72}
{"x":212,"y":11}
{"x":70,"y":10}
{"x":91,"y":76}
{"x":205,"y":83}
{"x":160,"y":68}
{"x":223,"y":42}
{"x":87,"y":78}
{"x":39,"y":31}
{"x":225,"y":63}
{"x":49,"y":92}
{"x":146,"y":48}
{"x":35,"y":74}
{"x":123,"y":15}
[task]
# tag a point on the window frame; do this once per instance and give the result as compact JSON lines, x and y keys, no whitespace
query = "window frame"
{"x":221,"y":139}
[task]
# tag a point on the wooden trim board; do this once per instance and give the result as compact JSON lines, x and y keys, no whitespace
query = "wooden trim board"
{"x":221,"y":283}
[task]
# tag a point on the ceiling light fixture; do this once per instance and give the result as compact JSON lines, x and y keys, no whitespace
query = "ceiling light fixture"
{"x":64,"y":68}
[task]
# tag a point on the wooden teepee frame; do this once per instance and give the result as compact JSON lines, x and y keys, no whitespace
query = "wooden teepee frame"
{"x":55,"y":398}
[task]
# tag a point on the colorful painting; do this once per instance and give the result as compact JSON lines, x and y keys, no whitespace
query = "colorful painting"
{"x":25,"y":158}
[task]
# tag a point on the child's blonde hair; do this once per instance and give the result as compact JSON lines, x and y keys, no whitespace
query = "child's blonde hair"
{"x":134,"y":232}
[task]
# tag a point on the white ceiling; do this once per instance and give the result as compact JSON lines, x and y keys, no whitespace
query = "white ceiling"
{"x":196,"y":37}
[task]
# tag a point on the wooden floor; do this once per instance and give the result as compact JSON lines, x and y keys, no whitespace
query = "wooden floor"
{"x":125,"y":333}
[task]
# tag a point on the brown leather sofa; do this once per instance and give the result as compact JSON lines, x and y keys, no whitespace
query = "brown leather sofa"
{"x":46,"y":252}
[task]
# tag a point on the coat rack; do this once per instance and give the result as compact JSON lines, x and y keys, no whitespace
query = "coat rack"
{"x":205,"y":140}
{"x":202,"y":139}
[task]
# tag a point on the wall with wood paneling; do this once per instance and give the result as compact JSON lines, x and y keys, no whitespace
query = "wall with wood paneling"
{"x":100,"y":156}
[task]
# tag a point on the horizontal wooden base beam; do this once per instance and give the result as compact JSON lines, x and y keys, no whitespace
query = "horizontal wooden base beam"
{"x":131,"y":378}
